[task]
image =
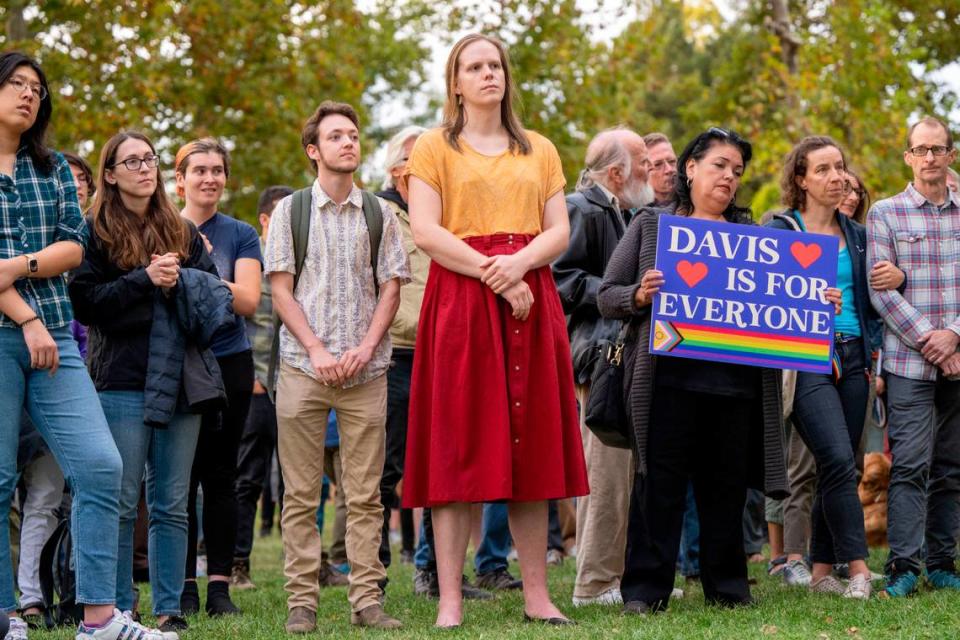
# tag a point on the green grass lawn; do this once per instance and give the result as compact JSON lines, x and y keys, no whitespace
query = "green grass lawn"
{"x":781,"y":612}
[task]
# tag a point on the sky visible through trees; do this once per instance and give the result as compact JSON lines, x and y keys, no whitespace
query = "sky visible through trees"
{"x":251,"y":71}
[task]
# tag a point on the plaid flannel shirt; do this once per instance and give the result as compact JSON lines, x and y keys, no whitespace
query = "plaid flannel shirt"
{"x":923,"y":240}
{"x":36,"y":210}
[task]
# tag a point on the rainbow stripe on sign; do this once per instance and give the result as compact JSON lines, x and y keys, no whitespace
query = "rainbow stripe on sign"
{"x":737,"y":345}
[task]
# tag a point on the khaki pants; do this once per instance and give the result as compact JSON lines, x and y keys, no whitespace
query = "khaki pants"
{"x":303,"y":405}
{"x":602,"y":516}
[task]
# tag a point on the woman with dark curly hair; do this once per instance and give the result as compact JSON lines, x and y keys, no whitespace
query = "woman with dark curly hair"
{"x":715,"y":424}
{"x":829,"y":409}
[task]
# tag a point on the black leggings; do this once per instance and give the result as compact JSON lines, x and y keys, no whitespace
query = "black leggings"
{"x":215,"y":467}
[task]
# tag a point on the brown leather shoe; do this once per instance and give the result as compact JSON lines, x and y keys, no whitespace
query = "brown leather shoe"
{"x":301,"y":620}
{"x":374,"y":617}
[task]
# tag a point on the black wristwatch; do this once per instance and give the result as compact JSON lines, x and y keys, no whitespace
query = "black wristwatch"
{"x":32,"y":264}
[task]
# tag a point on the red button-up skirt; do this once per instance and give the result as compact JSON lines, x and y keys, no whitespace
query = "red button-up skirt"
{"x":492,"y":409}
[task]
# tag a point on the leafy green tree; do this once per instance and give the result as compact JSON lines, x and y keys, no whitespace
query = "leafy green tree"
{"x":247,"y":71}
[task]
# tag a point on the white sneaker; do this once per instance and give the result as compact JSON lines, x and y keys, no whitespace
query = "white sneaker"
{"x":122,"y":627}
{"x":858,"y":588}
{"x":17,"y":631}
{"x":610,"y":597}
{"x":676,"y":593}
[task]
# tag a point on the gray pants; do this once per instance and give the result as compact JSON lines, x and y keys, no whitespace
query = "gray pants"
{"x":924,"y":501}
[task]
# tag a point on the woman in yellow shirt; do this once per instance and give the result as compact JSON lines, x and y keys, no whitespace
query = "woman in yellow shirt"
{"x":492,"y":411}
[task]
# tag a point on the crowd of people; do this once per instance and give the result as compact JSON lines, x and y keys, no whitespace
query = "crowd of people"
{"x":446,"y":333}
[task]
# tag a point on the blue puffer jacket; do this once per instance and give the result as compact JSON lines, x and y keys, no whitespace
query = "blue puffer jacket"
{"x":182,"y":372}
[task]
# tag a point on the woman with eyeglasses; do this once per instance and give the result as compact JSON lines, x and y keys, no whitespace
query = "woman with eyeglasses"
{"x":202,"y":169}
{"x":42,"y":236}
{"x":138,"y":246}
{"x":716,"y":424}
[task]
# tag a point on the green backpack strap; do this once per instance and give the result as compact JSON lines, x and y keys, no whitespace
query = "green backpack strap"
{"x":374,"y":217}
{"x":300,"y":228}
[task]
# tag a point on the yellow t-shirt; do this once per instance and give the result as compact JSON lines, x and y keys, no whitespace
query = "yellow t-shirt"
{"x":483,"y":195}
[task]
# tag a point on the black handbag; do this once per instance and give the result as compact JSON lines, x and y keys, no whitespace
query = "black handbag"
{"x":606,"y":413}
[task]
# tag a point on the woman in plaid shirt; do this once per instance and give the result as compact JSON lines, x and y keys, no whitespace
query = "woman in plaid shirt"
{"x":42,"y":236}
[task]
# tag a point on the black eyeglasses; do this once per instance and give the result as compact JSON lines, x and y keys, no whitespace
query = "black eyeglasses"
{"x":19,"y":85}
{"x":937,"y":150}
{"x":134,"y":164}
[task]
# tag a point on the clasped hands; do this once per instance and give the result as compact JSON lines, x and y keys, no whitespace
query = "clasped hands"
{"x":164,"y":271}
{"x":334,"y":372}
{"x":504,"y":275}
{"x":939,"y":347}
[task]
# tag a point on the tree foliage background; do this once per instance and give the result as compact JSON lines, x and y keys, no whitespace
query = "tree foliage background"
{"x":251,"y":71}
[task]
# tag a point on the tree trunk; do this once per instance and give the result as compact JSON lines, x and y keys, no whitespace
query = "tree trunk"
{"x":16,"y":25}
{"x":780,"y":25}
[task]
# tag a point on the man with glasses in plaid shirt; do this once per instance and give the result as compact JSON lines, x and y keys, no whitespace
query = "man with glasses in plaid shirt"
{"x":919,"y":231}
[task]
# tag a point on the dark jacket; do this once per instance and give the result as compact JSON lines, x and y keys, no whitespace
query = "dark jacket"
{"x":182,"y":372}
{"x":595,"y":229}
{"x":117,"y":307}
{"x":634,"y":256}
{"x":855,"y":234}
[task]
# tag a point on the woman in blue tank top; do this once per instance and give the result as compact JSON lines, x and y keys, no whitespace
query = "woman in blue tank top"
{"x":830,"y":409}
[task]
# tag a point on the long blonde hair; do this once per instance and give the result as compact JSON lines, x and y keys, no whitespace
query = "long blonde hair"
{"x":128,"y":239}
{"x":454,"y":116}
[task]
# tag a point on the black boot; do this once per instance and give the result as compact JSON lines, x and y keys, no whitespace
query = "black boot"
{"x":218,"y":599}
{"x":190,"y":598}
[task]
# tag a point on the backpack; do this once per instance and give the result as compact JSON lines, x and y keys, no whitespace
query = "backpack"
{"x":58,"y":580}
{"x":300,"y":210}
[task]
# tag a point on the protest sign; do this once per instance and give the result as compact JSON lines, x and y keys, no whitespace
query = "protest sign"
{"x":744,"y":294}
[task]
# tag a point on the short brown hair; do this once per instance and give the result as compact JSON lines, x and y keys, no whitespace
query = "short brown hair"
{"x":655,"y":138}
{"x":795,"y":166}
{"x":930,"y":121}
{"x":311,"y":128}
{"x":202,"y":145}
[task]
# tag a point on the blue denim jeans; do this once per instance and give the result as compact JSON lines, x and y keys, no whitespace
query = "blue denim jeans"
{"x":829,"y":416}
{"x":167,"y":456}
{"x":690,"y":538}
{"x":496,"y":542}
{"x":923,"y":419}
{"x":65,"y":409}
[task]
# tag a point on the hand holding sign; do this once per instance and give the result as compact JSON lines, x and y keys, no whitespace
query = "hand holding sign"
{"x":743,"y":294}
{"x":650,"y":284}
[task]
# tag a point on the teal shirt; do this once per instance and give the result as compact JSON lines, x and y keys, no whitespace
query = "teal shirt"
{"x":848,"y":322}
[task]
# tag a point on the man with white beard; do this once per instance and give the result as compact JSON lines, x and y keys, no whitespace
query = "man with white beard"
{"x":613,"y":182}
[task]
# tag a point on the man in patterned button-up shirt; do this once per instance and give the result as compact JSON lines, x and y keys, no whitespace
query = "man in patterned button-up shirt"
{"x":334,"y":352}
{"x":919,"y":231}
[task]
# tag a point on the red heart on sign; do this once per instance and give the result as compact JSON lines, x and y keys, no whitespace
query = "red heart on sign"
{"x":692,"y":272}
{"x":805,"y":254}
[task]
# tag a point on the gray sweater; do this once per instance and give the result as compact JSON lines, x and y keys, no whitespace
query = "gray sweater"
{"x":634,"y":256}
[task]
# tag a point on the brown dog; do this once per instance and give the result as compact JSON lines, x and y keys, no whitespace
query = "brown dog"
{"x":873,"y":496}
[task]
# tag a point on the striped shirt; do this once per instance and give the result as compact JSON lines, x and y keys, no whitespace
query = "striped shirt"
{"x":336,"y":288}
{"x":36,"y":210}
{"x":923,"y":240}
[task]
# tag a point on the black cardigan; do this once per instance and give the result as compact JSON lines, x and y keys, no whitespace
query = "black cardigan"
{"x":634,"y":256}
